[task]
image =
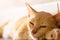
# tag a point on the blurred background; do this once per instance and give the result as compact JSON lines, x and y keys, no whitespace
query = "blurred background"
{"x":6,"y":3}
{"x":13,"y":9}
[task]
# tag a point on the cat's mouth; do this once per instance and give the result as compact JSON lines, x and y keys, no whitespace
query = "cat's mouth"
{"x":34,"y":32}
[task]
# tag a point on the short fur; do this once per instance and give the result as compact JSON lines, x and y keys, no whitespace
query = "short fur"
{"x":38,"y":22}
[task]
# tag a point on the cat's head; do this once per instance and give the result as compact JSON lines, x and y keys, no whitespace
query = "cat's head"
{"x":39,"y":22}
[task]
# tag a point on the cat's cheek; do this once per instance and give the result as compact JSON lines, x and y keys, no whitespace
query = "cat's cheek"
{"x":39,"y":33}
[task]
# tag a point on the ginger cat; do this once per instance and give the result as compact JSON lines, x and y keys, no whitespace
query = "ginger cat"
{"x":39,"y":22}
{"x":33,"y":26}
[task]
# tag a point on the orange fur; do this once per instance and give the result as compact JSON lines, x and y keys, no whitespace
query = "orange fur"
{"x":39,"y":22}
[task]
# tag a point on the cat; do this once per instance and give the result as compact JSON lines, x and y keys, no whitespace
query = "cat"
{"x":57,"y":18}
{"x":33,"y":26}
{"x":41,"y":21}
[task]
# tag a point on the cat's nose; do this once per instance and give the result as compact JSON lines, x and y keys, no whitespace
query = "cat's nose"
{"x":33,"y":32}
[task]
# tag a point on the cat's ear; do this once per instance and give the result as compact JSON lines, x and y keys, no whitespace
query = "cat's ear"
{"x":30,"y":9}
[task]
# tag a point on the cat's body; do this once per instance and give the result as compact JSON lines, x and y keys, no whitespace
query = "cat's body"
{"x":34,"y":25}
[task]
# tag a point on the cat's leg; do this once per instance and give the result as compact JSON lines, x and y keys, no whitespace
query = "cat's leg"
{"x":2,"y":27}
{"x":7,"y":35}
{"x":54,"y":34}
{"x":8,"y":31}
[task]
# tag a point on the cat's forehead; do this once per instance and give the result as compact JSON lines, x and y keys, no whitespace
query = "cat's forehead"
{"x":31,"y":17}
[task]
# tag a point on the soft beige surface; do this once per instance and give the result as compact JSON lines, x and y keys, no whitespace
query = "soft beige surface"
{"x":7,"y":3}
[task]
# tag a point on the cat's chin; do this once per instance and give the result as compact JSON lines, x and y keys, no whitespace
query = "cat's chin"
{"x":32,"y":36}
{"x":35,"y":38}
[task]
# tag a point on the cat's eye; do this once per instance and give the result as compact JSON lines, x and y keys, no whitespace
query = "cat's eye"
{"x":42,"y":26}
{"x":31,"y":23}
